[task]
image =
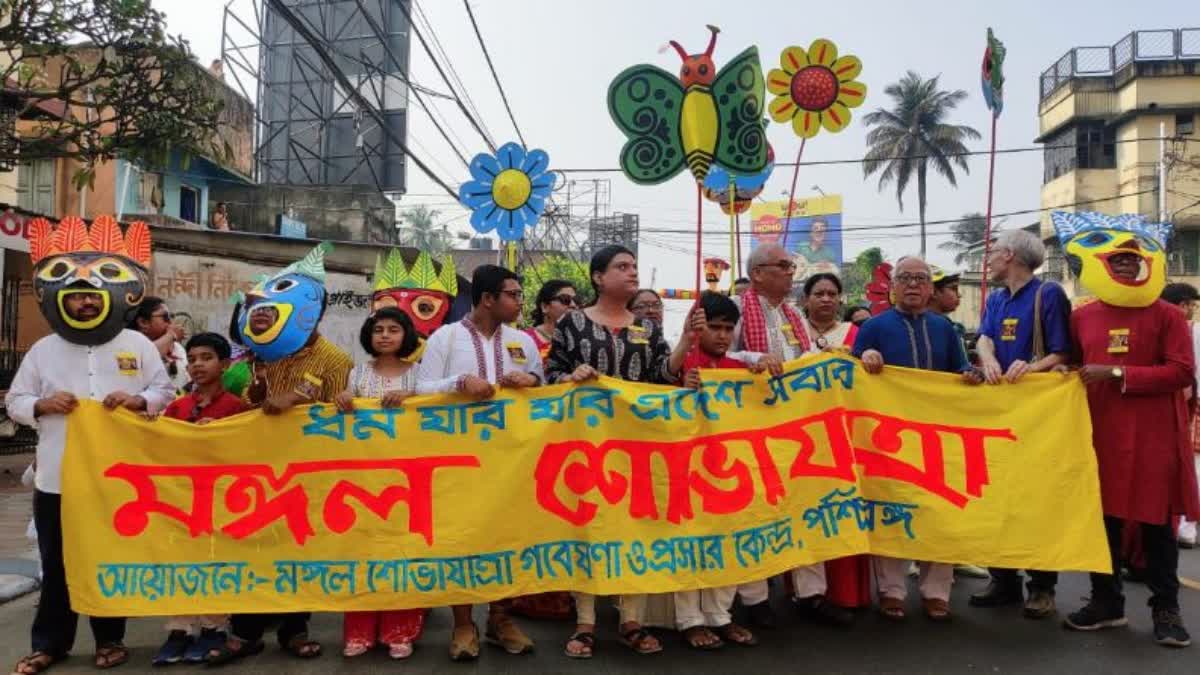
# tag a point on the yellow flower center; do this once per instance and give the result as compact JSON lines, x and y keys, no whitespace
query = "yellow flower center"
{"x":511,"y":189}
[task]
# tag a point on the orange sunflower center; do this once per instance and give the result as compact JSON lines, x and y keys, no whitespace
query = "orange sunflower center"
{"x":814,"y":88}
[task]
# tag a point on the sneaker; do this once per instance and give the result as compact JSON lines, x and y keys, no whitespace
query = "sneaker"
{"x":210,"y":639}
{"x":1169,"y":630}
{"x":1187,"y":543}
{"x":1039,"y":605}
{"x":817,"y":608}
{"x":996,"y":595}
{"x":1095,"y":616}
{"x":173,"y":649}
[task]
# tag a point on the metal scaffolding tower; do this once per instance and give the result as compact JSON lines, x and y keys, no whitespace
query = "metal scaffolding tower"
{"x":317,"y":125}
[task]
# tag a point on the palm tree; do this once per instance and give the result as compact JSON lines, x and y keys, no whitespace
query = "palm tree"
{"x":422,"y":233}
{"x":913,"y":134}
{"x":965,"y":235}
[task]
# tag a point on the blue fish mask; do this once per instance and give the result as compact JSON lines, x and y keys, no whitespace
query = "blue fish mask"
{"x":280,"y":314}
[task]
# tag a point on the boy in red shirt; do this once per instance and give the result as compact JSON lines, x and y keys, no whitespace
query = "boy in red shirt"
{"x":207,"y":357}
{"x":704,"y":616}
{"x":713,"y":325}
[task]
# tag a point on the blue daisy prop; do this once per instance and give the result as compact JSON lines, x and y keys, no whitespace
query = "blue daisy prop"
{"x":507,"y":192}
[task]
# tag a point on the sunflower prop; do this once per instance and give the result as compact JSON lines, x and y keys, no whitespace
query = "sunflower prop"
{"x":814,"y":90}
{"x":507,"y":192}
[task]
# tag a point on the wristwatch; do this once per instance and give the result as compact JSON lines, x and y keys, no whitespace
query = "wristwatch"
{"x":1118,"y":373}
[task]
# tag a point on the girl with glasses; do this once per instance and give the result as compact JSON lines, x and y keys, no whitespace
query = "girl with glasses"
{"x":555,"y":299}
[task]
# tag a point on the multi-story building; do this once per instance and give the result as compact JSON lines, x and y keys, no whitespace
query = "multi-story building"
{"x":1119,"y":128}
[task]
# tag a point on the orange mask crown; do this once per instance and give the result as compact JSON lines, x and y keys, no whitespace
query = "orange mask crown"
{"x":73,"y":236}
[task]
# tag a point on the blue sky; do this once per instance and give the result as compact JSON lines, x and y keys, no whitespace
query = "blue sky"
{"x":556,"y":59}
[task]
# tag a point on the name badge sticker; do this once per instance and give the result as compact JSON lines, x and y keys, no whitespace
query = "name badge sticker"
{"x":1118,"y":341}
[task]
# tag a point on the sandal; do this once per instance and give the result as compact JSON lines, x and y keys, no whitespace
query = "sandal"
{"x":225,"y":653}
{"x":302,"y":647}
{"x":937,"y":609}
{"x":738,"y":635}
{"x":400,"y":650}
{"x":111,"y":655}
{"x":588,"y":640}
{"x":638,"y":639}
{"x":464,"y":650}
{"x":891,"y":608}
{"x":36,"y":663}
{"x":702,"y":639}
{"x":355,"y":648}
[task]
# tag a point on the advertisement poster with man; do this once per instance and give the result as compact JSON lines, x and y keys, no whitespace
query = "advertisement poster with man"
{"x":814,"y":229}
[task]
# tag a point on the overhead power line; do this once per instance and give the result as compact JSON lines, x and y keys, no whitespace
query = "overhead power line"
{"x":487,"y":55}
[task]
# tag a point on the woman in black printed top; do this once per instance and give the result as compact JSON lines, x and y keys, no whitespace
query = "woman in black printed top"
{"x":607,"y":339}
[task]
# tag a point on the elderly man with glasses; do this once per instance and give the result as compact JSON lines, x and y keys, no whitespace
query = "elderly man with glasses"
{"x":770,"y":325}
{"x":909,"y":335}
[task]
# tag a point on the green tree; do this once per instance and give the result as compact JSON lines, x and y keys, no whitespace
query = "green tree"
{"x":554,"y":267}
{"x":912,"y":135}
{"x":423,"y":233}
{"x":93,"y":80}
{"x":965,"y":235}
{"x":858,"y":274}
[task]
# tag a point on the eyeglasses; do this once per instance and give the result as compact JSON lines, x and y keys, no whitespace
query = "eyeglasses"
{"x":517,"y":294}
{"x":912,"y":279}
{"x":165,"y":316}
{"x":565,"y":299}
{"x":646,"y":306}
{"x":783,"y":265}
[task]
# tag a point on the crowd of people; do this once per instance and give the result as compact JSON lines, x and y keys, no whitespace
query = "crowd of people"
{"x":1136,"y":361}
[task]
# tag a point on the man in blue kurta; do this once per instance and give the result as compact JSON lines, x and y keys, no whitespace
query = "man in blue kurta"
{"x":1025,"y":329}
{"x":909,"y":335}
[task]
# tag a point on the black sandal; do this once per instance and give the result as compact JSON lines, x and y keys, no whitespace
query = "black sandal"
{"x":690,"y":635}
{"x":587,"y":640}
{"x":741,"y":636}
{"x":636,"y":638}
{"x":36,"y":662}
{"x":219,"y":656}
{"x":110,"y":655}
{"x":302,"y":647}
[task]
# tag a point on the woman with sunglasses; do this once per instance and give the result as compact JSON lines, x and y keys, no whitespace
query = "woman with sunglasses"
{"x":556,"y":298}
{"x":152,"y":318}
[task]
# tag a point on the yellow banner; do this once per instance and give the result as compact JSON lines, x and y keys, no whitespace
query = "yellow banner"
{"x":609,"y":487}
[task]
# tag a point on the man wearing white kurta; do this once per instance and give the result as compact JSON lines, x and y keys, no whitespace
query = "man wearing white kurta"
{"x":476,"y":356}
{"x":54,"y":376}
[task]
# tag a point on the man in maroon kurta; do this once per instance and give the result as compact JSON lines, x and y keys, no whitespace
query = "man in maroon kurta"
{"x":1137,"y":361}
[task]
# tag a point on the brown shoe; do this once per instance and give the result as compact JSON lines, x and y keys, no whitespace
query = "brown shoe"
{"x":503,"y":632}
{"x":1039,"y":605}
{"x":464,"y":646}
{"x":891,"y":608}
{"x":937,"y":609}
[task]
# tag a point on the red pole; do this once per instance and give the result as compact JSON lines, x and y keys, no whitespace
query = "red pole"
{"x":699,"y":242}
{"x":787,"y":225}
{"x":987,"y":229}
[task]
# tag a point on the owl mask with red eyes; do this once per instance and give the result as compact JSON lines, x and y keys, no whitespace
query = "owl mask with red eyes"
{"x":419,"y":291}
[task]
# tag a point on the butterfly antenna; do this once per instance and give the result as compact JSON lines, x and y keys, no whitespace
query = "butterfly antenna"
{"x":712,"y":40}
{"x":679,"y":48}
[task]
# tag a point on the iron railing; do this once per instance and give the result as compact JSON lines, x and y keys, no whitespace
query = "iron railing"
{"x":1174,"y":44}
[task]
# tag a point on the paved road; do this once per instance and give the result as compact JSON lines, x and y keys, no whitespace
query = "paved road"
{"x":991,"y":641}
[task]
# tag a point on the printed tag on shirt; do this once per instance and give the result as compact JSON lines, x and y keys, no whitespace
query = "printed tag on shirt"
{"x":127,"y":363}
{"x":1008,"y":330}
{"x":310,"y":386}
{"x":1118,"y":341}
{"x":637,"y":335}
{"x":790,"y":334}
{"x":515,"y":352}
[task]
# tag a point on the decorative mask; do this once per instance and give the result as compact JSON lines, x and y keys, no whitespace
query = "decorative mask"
{"x":280,"y":314}
{"x":75,"y":259}
{"x":713,"y":269}
{"x":1091,"y":240}
{"x":418,"y":291}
